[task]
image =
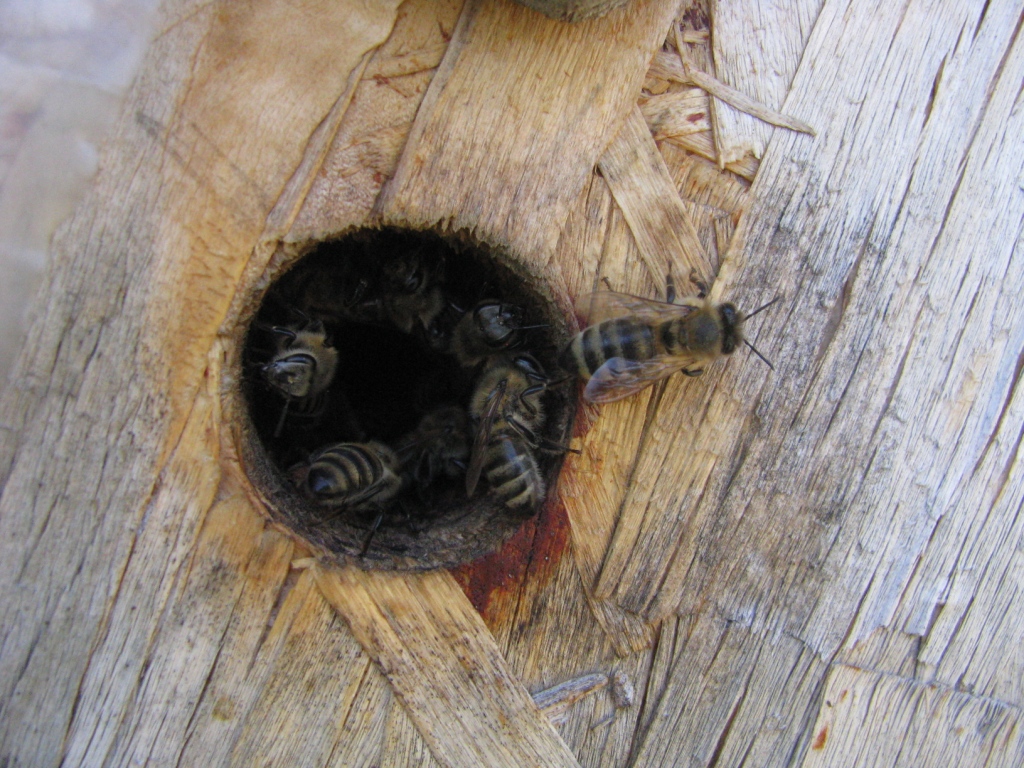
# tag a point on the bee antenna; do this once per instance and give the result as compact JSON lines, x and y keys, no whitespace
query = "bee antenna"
{"x":759,"y":354}
{"x":533,"y":327}
{"x":300,"y":314}
{"x":761,"y":309}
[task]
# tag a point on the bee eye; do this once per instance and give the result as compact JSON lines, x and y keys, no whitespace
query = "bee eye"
{"x":352,"y":379}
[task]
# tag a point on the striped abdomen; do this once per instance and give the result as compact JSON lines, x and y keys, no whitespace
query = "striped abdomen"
{"x":624,"y":337}
{"x":696,"y":335}
{"x":355,"y":475}
{"x":512,"y":472}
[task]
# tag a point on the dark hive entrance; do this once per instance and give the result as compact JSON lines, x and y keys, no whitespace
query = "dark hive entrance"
{"x":363,"y":364}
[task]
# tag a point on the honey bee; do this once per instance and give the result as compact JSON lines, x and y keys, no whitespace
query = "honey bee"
{"x":349,"y":476}
{"x":411,"y":295}
{"x":437,"y":448}
{"x":490,"y":328}
{"x":507,"y":412}
{"x":301,"y":369}
{"x":634,"y":341}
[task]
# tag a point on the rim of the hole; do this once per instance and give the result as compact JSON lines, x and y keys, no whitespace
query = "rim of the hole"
{"x":472,"y":529}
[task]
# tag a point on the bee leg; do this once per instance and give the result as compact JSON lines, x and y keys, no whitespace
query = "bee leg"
{"x":523,"y":431}
{"x":357,"y":294}
{"x":560,"y":381}
{"x":670,"y":288}
{"x":280,"y":421}
{"x":373,"y":530}
{"x":607,"y":282}
{"x":692,"y":372}
{"x":550,"y":446}
{"x":702,"y":287}
{"x":531,"y":391}
{"x":303,"y":317}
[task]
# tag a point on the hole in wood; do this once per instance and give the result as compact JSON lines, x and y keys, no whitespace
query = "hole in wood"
{"x":402,"y":403}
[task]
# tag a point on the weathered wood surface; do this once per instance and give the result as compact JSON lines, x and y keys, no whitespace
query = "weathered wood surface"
{"x":813,"y":566}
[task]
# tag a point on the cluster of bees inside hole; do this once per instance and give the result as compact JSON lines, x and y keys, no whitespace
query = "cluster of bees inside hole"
{"x":394,"y":375}
{"x":398,"y":375}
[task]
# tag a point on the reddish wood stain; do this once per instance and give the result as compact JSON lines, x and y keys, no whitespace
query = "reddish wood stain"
{"x":531,"y":554}
{"x":696,"y":117}
{"x":820,"y":739}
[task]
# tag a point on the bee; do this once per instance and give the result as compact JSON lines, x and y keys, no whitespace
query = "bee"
{"x":437,"y":448}
{"x":336,"y":291}
{"x":490,"y":328}
{"x":507,"y":412}
{"x":301,"y":369}
{"x":349,"y":476}
{"x":634,"y":341}
{"x":411,"y":295}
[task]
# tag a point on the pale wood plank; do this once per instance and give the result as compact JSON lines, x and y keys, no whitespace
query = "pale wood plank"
{"x":134,"y":669}
{"x":872,"y":719}
{"x":404,"y":747}
{"x":720,"y":693}
{"x":373,"y":130}
{"x":505,"y":61}
{"x":676,"y":113}
{"x":757,"y":48}
{"x":143,"y":277}
{"x":361,"y":739}
{"x":314,"y":695}
{"x":643,"y":189}
{"x":444,"y":667}
{"x":957,"y":607}
{"x":939,"y":408}
{"x":550,"y":635}
{"x":757,"y":530}
{"x":271,"y":594}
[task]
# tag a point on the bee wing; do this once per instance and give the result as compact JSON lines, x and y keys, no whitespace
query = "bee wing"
{"x":605,"y":305}
{"x":619,"y":378}
{"x":482,"y":436}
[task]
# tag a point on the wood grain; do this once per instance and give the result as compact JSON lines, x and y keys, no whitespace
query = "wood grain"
{"x":373,"y":131}
{"x":444,"y":667}
{"x":867,"y":718}
{"x":513,"y":98}
{"x":757,"y":48}
{"x":109,"y":472}
{"x":645,"y":193}
{"x":745,"y":547}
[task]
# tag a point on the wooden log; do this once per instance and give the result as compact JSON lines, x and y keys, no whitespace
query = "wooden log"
{"x":745,"y":547}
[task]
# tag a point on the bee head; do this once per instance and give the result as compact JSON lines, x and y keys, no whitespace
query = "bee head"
{"x":497,"y":322}
{"x":292,"y":376}
{"x":732,"y":328}
{"x":405,"y":274}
